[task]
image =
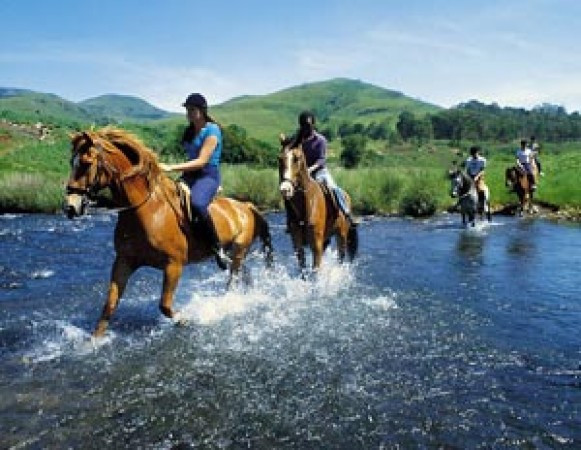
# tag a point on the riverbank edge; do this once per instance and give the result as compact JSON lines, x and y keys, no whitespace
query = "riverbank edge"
{"x":545,"y":210}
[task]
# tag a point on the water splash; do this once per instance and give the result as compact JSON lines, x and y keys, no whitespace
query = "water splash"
{"x":277,"y":289}
{"x":62,"y":338}
{"x":42,"y":273}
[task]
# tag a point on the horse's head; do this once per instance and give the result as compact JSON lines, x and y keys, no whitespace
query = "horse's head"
{"x":107,"y":158}
{"x":456,"y":182}
{"x":87,"y":175}
{"x":292,"y":168}
{"x":510,"y":176}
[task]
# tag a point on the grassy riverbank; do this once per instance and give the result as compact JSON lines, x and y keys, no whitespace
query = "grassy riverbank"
{"x":407,"y":179}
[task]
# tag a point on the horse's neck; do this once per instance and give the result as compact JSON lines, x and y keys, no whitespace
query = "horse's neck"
{"x":132,"y":192}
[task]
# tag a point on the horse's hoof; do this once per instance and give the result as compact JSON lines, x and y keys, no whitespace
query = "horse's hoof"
{"x":179,"y":321}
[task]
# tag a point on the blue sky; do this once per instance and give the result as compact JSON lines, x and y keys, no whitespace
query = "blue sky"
{"x":513,"y":52}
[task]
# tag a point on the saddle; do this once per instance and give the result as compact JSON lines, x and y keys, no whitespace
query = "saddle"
{"x":180,"y":203}
{"x":187,"y":218}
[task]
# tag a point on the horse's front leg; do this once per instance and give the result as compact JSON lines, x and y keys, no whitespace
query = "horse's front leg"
{"x":120,"y":273}
{"x":171,"y":276}
{"x":298,"y":245}
{"x":317,"y":243}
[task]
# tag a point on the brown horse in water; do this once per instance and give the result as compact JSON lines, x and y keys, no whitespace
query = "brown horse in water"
{"x":516,"y":179}
{"x":153,"y":227}
{"x":313,"y":215}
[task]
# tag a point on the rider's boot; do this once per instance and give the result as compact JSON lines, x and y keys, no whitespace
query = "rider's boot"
{"x":344,"y":208}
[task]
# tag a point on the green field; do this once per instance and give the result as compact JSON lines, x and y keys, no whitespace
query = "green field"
{"x":406,"y":145}
{"x":403,"y":179}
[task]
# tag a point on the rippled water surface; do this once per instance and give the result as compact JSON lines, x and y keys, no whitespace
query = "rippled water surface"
{"x":435,"y":337}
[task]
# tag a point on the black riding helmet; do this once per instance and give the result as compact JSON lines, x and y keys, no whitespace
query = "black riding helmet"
{"x":474,"y":150}
{"x":197,"y":100}
{"x":306,"y":118}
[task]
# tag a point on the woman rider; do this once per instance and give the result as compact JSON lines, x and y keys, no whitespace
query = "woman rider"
{"x":314,"y":147}
{"x":202,"y":141}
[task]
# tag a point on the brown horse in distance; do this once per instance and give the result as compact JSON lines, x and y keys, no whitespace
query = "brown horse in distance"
{"x":153,"y":228}
{"x":516,"y":179}
{"x":313,"y":216}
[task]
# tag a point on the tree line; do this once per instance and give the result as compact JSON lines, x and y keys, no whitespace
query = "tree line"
{"x":475,"y":121}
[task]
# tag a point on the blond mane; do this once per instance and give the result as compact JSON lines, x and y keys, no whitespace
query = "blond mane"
{"x":123,"y":138}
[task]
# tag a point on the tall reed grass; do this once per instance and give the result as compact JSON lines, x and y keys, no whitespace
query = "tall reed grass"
{"x":30,"y":192}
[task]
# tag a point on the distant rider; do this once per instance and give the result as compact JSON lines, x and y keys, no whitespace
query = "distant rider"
{"x":314,"y":147}
{"x":524,"y":160}
{"x":536,"y":149}
{"x":475,"y":166}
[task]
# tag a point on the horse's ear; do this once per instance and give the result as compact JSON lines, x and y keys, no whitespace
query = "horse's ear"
{"x":87,"y":137}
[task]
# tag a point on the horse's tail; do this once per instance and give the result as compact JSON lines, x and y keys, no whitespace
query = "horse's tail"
{"x":352,"y":241}
{"x":263,"y":231}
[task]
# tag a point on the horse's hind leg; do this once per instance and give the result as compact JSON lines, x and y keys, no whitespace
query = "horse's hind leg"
{"x":120,"y":273}
{"x":171,"y":276}
{"x":238,"y":255}
{"x":342,"y":243}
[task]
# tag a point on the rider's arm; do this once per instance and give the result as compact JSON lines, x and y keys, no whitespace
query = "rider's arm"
{"x":206,"y":151}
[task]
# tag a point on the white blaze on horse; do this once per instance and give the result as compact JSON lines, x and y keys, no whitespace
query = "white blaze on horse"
{"x":313,"y":216}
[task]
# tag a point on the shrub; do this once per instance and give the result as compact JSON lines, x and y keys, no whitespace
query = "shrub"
{"x":419,"y":200}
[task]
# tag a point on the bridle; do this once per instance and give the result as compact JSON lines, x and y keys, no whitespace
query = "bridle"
{"x":296,"y":184}
{"x":297,"y":187}
{"x":104,"y":167}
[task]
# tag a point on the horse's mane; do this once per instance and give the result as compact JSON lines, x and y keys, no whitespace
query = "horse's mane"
{"x":122,"y":138}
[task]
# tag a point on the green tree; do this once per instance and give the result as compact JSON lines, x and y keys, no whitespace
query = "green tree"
{"x":406,"y":125}
{"x":354,"y":149}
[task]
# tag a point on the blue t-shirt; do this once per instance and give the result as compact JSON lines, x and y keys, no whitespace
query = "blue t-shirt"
{"x":193,"y":147}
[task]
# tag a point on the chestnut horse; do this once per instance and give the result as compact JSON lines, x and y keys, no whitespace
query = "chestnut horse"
{"x":517,"y":179}
{"x":153,"y":228}
{"x":313,"y":215}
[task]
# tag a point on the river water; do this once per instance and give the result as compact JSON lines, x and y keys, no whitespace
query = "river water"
{"x":435,"y":337}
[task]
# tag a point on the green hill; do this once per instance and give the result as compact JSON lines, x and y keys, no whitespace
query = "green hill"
{"x":123,"y":108}
{"x":333,"y":102}
{"x":25,"y":105}
{"x":262,"y":116}
{"x":30,"y":106}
